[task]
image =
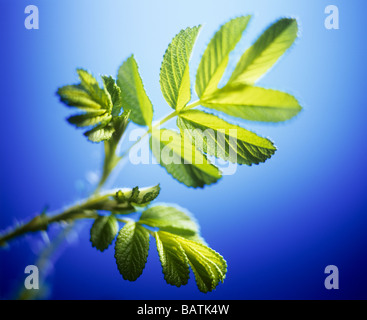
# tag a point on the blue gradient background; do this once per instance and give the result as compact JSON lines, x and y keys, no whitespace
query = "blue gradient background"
{"x":278,"y":224}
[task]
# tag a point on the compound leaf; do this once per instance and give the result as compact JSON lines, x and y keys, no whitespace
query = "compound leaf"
{"x":253,"y":103}
{"x":182,"y":160}
{"x":173,"y":259}
{"x":99,"y":105}
{"x":174,"y":76}
{"x":216,"y":55}
{"x":260,"y":57}
{"x":131,"y":250}
{"x":133,"y":95}
{"x":219,"y":138}
{"x":103,"y":231}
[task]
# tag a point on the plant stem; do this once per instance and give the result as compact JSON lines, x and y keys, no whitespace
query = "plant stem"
{"x":80,"y":211}
{"x":42,"y":221}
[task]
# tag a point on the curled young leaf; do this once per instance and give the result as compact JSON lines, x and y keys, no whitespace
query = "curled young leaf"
{"x":114,"y":94}
{"x":100,"y":106}
{"x":137,"y":197}
{"x":91,"y":86}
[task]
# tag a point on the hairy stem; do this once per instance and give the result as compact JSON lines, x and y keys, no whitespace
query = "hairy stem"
{"x":42,"y":221}
{"x":110,"y":162}
{"x":81,"y":211}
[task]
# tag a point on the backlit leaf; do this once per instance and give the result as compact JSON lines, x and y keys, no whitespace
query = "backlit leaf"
{"x":208,"y":266}
{"x":131,"y":250}
{"x":224,"y":140}
{"x":90,"y":84}
{"x":77,"y":96}
{"x":174,"y":76}
{"x":170,"y":219}
{"x":173,"y":259}
{"x":216,"y":55}
{"x":260,"y":57}
{"x":133,"y":95}
{"x":253,"y":103}
{"x":182,"y":160}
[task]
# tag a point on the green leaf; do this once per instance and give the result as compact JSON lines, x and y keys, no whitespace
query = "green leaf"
{"x":101,"y":132}
{"x":259,"y":58}
{"x":169,"y":219}
{"x":76,"y":96}
{"x":224,"y":140}
{"x":175,"y":76}
{"x":173,"y":259}
{"x":90,"y":84}
{"x":253,"y":103}
{"x":208,"y":266}
{"x":88,"y":119}
{"x":182,"y":160}
{"x":131,"y":250}
{"x":114,"y":93}
{"x":98,"y":104}
{"x":103,"y":231}
{"x":133,"y":95}
{"x":216,"y":55}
